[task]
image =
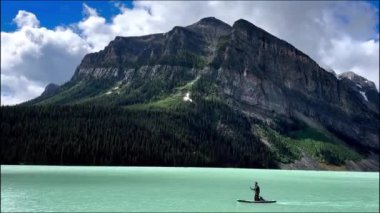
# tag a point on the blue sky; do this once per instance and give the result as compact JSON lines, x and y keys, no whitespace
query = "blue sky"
{"x":375,"y":3}
{"x":55,"y":13}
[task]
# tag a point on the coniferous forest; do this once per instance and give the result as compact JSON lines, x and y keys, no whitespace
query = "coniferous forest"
{"x":207,"y":135}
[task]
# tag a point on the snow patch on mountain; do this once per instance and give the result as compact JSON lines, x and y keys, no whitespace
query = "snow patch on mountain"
{"x":364,"y":95}
{"x":187,"y":97}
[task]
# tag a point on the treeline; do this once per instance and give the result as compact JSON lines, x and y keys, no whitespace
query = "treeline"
{"x":205,"y":134}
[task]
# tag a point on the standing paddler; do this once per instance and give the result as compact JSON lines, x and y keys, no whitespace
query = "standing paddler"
{"x":257,"y":191}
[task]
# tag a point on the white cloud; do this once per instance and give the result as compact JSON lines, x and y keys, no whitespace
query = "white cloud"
{"x":34,"y":56}
{"x":88,"y":11}
{"x":339,"y":35}
{"x":12,"y":85}
{"x":362,"y":57}
{"x":24,"y":18}
{"x":94,"y":29}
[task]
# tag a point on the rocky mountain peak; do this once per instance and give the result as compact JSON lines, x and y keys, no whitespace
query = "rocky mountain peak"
{"x":212,"y":21}
{"x":246,"y":25}
{"x":50,"y":89}
{"x":363,"y":88}
{"x":357,"y":79}
{"x":242,"y":23}
{"x":247,"y":30}
{"x":211,"y":28}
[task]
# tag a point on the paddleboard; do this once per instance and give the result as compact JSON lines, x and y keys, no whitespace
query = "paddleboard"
{"x":252,"y":201}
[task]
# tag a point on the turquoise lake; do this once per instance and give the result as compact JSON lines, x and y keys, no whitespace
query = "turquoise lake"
{"x":136,"y":189}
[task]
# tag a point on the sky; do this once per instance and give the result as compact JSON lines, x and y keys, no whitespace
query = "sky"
{"x":43,"y":42}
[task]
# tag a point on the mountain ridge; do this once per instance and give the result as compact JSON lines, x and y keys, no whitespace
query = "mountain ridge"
{"x":264,"y":79}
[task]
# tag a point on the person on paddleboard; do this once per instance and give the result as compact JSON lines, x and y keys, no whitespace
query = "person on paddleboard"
{"x":257,"y":191}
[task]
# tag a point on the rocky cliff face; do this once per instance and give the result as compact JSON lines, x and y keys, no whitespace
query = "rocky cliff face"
{"x":254,"y":72}
{"x":261,"y":71}
{"x":191,"y":46}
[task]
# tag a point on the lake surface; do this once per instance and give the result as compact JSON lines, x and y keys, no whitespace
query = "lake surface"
{"x":59,"y":188}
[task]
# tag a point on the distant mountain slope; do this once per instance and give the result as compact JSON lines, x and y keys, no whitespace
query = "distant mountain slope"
{"x":281,"y":91}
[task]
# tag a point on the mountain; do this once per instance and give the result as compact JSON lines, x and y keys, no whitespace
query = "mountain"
{"x":50,"y":90}
{"x":267,"y":104}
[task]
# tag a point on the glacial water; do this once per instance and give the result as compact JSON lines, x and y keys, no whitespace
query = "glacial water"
{"x":131,"y":189}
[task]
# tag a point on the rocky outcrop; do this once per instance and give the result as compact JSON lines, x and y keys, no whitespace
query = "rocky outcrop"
{"x":305,"y":163}
{"x":369,"y":164}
